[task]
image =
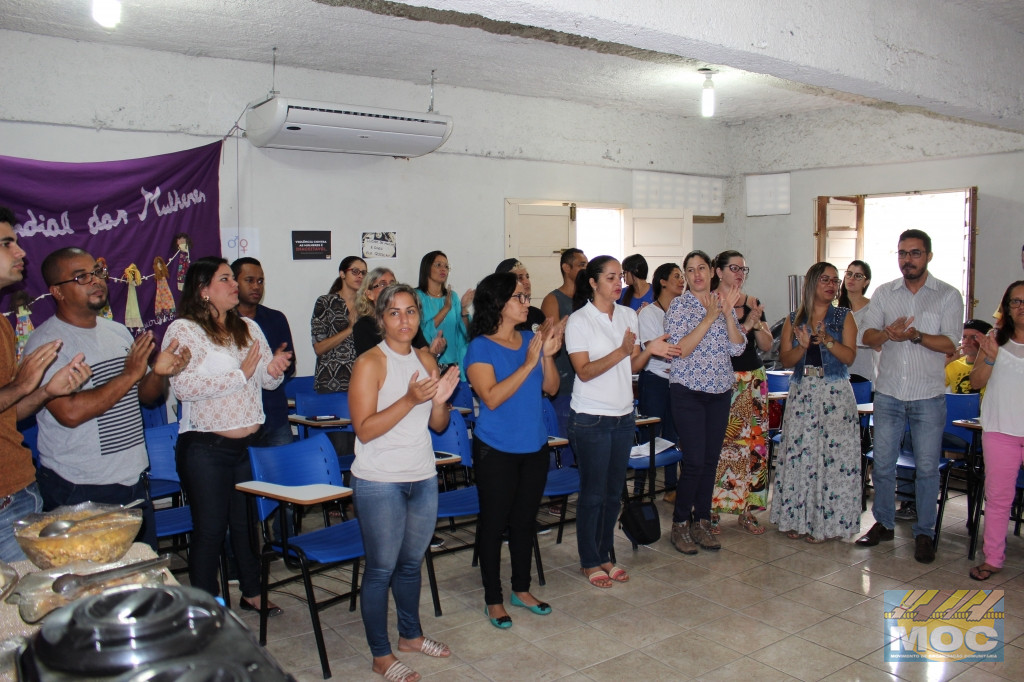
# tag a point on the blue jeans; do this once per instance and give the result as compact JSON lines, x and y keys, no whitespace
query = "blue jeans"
{"x":701,"y":419}
{"x":16,"y":507}
{"x":602,"y":447}
{"x":60,"y":492}
{"x":927,"y":419}
{"x":397,"y":521}
{"x":654,"y":402}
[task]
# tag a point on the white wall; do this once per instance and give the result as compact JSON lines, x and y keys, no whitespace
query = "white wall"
{"x":70,"y":101}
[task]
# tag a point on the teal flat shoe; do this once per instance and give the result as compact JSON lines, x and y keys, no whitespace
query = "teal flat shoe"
{"x":541,"y":608}
{"x":503,"y":623}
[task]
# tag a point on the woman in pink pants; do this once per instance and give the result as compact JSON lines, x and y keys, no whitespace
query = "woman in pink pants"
{"x":999,"y":369}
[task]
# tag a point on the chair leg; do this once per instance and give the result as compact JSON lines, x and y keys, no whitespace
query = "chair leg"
{"x":314,"y":615}
{"x":355,"y":585}
{"x":943,"y":494}
{"x":264,"y":584}
{"x":432,"y":578}
{"x":561,"y":519}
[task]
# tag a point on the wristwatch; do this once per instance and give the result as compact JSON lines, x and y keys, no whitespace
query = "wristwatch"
{"x":916,"y":339}
{"x":830,"y":344}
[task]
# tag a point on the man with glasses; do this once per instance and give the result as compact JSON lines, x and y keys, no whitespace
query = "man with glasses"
{"x":21,"y":395}
{"x":274,"y":325}
{"x":916,"y":320}
{"x":91,"y":444}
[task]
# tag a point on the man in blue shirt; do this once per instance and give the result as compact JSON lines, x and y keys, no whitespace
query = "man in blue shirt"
{"x":250,"y":278}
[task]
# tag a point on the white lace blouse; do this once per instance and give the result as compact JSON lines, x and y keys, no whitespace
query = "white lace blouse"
{"x":214,"y":393}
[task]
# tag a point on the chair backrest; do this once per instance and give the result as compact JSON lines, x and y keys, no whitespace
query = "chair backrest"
{"x":454,"y":439}
{"x":29,"y":430}
{"x":861,"y":391}
{"x":462,"y":396}
{"x":310,"y":404}
{"x":778,"y":381}
{"x":154,"y":416}
{"x":961,"y":406}
{"x":304,"y":462}
{"x":160,"y":442}
{"x":296,"y":385}
{"x":550,"y":419}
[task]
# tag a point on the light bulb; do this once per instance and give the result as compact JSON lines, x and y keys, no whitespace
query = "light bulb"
{"x":107,"y":13}
{"x":707,"y":98}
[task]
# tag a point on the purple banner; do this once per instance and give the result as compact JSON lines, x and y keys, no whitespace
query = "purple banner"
{"x":125,"y":212}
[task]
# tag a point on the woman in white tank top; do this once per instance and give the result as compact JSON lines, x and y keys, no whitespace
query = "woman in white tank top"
{"x":999,"y":369}
{"x":394,"y":395}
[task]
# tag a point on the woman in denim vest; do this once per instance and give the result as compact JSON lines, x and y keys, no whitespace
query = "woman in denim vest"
{"x":817,"y":490}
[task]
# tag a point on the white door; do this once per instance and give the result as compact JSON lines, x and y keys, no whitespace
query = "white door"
{"x":659,"y":235}
{"x":537,"y":234}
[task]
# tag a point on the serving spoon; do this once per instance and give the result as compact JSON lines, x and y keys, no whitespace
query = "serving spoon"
{"x":62,"y":526}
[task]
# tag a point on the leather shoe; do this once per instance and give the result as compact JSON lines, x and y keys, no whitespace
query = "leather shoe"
{"x":875,"y":534}
{"x":924,"y":549}
{"x":271,"y":611}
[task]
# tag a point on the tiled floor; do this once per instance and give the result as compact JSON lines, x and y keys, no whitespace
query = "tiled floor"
{"x":762,"y":608}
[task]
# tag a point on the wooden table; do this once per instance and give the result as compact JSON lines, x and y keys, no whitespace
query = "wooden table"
{"x":306,"y":422}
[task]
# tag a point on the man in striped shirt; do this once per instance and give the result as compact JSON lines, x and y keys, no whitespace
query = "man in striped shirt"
{"x":91,"y":444}
{"x":916,"y":320}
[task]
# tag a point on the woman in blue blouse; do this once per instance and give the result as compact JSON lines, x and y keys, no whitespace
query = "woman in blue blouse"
{"x":703,"y":324}
{"x":818,"y":484}
{"x":444,"y":312}
{"x":509,"y":370}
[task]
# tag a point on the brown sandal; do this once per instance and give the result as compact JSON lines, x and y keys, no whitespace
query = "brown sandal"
{"x":749,"y":523}
{"x":983,"y":572}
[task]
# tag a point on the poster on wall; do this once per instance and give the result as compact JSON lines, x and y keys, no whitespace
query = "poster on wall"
{"x":311,"y":245}
{"x":143,"y":219}
{"x":239,"y":242}
{"x":380,"y":245}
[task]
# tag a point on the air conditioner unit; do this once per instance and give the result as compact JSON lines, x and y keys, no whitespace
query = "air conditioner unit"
{"x":285,"y":123}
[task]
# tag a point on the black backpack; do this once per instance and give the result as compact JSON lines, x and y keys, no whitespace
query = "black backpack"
{"x":640,"y":522}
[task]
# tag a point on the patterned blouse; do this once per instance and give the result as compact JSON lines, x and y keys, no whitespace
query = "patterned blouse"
{"x":333,"y":368}
{"x":708,"y":368}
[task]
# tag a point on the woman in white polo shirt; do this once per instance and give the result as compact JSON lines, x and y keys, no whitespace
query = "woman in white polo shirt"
{"x":601,"y":340}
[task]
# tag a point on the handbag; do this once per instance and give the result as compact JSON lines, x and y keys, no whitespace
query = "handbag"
{"x":640,"y":522}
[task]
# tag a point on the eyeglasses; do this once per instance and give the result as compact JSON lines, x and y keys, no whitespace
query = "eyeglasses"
{"x":1016,"y":302}
{"x":381,"y":284}
{"x":856,"y":275}
{"x":522,"y":298}
{"x":825,"y":279}
{"x":356,"y":271}
{"x":85,"y":277}
{"x":738,"y":268}
{"x":442,"y":266}
{"x":913,"y":253}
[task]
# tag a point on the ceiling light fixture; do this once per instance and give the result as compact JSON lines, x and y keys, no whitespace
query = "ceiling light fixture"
{"x":107,"y":13}
{"x":707,"y":94}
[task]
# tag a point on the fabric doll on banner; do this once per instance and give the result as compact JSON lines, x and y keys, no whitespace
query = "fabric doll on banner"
{"x":132,"y":316}
{"x":106,"y":311}
{"x":183,"y":244}
{"x":23,"y":327}
{"x":164,"y":299}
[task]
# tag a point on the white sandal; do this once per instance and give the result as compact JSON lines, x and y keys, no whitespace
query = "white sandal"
{"x":398,"y":672}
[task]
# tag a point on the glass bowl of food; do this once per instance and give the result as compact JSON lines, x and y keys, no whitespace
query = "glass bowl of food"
{"x":101,"y":540}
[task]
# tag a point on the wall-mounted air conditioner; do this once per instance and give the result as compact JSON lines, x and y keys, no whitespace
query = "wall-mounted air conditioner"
{"x":285,"y":123}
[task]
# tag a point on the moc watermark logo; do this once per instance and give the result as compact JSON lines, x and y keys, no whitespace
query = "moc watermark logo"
{"x":943,"y":625}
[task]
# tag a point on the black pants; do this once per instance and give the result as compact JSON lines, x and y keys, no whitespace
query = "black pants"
{"x":510,"y":486}
{"x":701,"y":419}
{"x":209,"y":466}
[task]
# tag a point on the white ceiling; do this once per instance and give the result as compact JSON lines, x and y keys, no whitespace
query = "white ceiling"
{"x":466,"y":50}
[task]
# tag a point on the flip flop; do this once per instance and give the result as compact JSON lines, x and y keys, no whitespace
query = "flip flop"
{"x":983,"y":572}
{"x":398,"y":672}
{"x":815,"y":541}
{"x":619,"y":575}
{"x":794,"y":535}
{"x":598,"y":578}
{"x":749,"y":523}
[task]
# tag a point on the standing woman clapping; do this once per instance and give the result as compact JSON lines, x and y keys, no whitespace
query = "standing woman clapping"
{"x":334,"y":313}
{"x":703,"y":324}
{"x":396,"y":394}
{"x":601,"y":339}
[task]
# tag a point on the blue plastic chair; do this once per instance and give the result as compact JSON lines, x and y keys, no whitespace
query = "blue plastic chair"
{"x":310,"y":404}
{"x":30,"y":436}
{"x":163,"y":473}
{"x":563,"y":481}
{"x":462,"y":397}
{"x":778,"y":381}
{"x":305,"y":462}
{"x":295,"y":385}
